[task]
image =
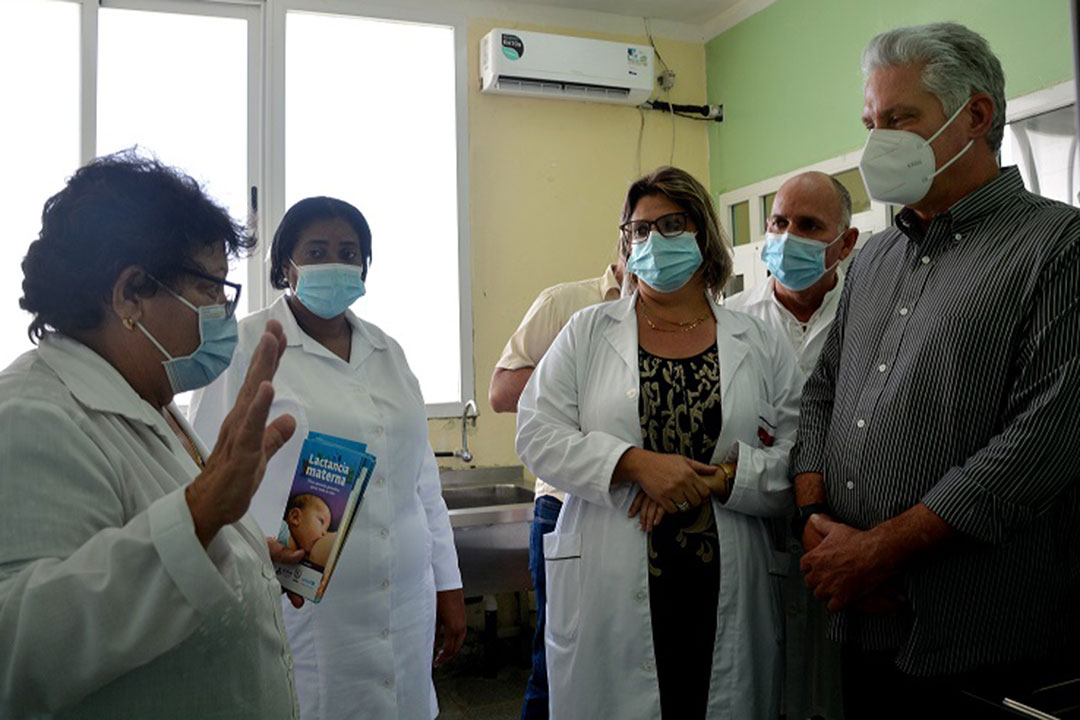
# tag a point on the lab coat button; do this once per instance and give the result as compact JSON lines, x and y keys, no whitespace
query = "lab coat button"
{"x":378,"y":480}
{"x":850,"y":485}
{"x":641,"y":595}
{"x":860,"y":423}
{"x":384,"y":584}
{"x":385,"y":633}
{"x":647,"y":666}
{"x":384,"y":533}
{"x":388,"y":682}
{"x":379,"y":430}
{"x":631,"y":393}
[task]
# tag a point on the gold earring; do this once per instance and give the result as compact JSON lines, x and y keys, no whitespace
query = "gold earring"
{"x":129,"y":323}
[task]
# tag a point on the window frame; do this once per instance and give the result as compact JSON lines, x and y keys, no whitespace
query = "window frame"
{"x":272,"y":210}
{"x":266,"y":128}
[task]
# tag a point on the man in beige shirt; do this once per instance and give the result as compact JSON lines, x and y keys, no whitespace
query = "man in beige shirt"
{"x":548,"y":314}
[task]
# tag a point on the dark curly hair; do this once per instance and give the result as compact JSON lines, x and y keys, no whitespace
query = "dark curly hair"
{"x":302,"y":214}
{"x":119,"y":210}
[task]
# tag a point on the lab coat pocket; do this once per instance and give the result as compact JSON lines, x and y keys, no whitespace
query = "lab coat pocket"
{"x":562,"y":563}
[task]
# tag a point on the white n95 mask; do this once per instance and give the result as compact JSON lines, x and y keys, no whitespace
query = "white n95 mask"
{"x":897,"y":166}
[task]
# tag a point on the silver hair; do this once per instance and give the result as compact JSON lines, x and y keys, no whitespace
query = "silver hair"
{"x":957,"y":63}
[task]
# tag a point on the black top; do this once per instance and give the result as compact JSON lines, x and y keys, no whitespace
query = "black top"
{"x":680,"y":413}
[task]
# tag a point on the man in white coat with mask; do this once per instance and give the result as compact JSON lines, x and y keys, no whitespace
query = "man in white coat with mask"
{"x":809,"y":236}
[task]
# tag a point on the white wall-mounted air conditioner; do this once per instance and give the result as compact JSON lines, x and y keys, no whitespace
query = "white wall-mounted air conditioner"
{"x":516,"y":62}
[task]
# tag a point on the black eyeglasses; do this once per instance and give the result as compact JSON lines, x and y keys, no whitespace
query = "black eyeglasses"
{"x":230,"y":291}
{"x":670,"y":225}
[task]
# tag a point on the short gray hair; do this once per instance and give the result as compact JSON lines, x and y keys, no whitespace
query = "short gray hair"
{"x":845,"y":203}
{"x":957,"y":62}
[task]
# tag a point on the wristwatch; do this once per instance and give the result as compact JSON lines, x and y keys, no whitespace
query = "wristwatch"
{"x":802,"y":516}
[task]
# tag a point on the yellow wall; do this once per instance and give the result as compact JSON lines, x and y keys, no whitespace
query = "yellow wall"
{"x":547,"y":180}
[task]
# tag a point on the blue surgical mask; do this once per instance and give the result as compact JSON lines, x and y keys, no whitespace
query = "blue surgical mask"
{"x":795,"y":262}
{"x":665,"y":263}
{"x":217,"y":341}
{"x":329,"y":289}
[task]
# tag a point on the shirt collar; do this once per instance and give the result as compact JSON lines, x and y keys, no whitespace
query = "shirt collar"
{"x":832,"y":297}
{"x":295,"y":336}
{"x":93,"y":380}
{"x":970,"y":208}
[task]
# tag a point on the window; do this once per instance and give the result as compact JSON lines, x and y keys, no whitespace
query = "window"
{"x":194,"y":83}
{"x":384,"y":138}
{"x":1043,"y":146}
{"x":740,"y":223}
{"x":766,"y":208}
{"x":39,"y":137}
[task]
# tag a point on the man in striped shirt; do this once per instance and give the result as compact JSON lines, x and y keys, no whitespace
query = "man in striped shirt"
{"x":934,"y":462}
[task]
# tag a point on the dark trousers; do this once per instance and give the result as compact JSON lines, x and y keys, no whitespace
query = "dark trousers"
{"x":875,"y":689}
{"x":536,"y":691}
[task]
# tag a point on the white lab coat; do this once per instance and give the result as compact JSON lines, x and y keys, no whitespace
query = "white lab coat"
{"x":109,"y":606}
{"x":366,"y":649}
{"x":576,"y":417}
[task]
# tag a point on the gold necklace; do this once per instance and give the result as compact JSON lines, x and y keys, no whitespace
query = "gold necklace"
{"x":683,"y":326}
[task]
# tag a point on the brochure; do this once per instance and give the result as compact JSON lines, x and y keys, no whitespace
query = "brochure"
{"x":327,"y":489}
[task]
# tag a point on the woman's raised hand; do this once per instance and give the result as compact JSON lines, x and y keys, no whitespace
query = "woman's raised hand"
{"x":675,"y":482}
{"x":221,"y":493}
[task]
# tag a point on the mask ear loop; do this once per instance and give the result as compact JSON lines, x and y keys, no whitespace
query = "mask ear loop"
{"x":835,"y":240}
{"x":957,"y":156}
{"x":179,"y":297}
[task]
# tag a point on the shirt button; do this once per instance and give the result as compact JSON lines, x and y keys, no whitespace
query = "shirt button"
{"x":378,"y":481}
{"x":860,"y":423}
{"x":925,"y":259}
{"x":384,"y":533}
{"x":882,"y":367}
{"x":647,"y":666}
{"x":384,"y":584}
{"x":385,"y":633}
{"x":388,"y":682}
{"x":903,"y":311}
{"x":957,"y":236}
{"x":850,"y":485}
{"x":379,"y":430}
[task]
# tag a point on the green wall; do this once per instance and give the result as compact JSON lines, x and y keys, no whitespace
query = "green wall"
{"x":790,"y":81}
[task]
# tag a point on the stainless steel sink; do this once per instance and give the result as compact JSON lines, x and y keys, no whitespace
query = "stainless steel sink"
{"x":490,"y":511}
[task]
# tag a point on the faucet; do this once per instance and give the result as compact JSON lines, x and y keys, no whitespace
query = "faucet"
{"x":463,"y":453}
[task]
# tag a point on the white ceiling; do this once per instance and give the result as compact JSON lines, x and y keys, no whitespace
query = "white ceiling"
{"x":693,"y":12}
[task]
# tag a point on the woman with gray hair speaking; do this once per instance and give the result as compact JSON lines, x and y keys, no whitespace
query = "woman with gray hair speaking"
{"x":663,"y":412}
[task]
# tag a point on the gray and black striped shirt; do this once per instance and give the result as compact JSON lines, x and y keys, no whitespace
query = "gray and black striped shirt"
{"x":951,"y":377}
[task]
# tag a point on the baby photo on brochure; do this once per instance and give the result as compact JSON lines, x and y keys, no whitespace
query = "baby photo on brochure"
{"x":328,"y":486}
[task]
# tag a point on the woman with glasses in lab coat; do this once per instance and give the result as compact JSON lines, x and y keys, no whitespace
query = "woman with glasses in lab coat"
{"x":133,"y":583}
{"x":365,"y":650}
{"x":668,"y":422}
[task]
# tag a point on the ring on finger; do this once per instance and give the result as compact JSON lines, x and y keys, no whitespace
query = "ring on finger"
{"x":683,"y":506}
